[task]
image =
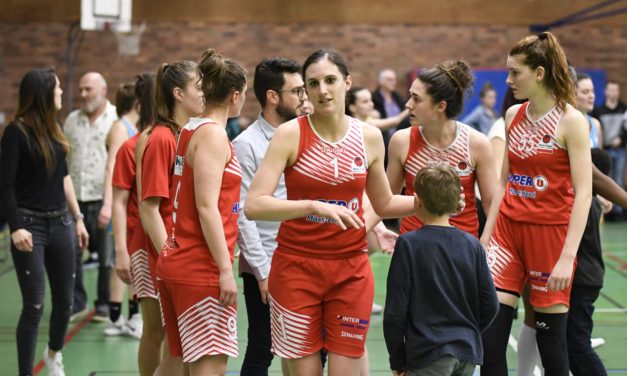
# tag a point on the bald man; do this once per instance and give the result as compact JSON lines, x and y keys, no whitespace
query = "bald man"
{"x":86,"y":129}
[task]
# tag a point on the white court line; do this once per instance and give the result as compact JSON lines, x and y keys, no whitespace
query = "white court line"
{"x":610,"y":310}
{"x":598,"y":310}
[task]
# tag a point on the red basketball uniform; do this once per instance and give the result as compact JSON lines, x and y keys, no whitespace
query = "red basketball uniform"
{"x":157,"y":165}
{"x":533,"y":220}
{"x":186,"y":262}
{"x":321,"y":279}
{"x":124,"y":178}
{"x":421,"y":154}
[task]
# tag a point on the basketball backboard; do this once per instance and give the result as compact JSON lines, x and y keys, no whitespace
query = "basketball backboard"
{"x":106,"y":14}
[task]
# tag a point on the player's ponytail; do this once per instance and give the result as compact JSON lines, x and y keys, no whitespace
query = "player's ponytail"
{"x":544,"y":50}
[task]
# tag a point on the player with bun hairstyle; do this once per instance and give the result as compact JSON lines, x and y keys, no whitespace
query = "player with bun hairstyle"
{"x":320,"y":279}
{"x":196,"y":283}
{"x":540,"y":208}
{"x":436,"y":98}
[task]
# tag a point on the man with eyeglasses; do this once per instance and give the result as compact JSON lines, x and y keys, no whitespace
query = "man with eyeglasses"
{"x":280,"y":90}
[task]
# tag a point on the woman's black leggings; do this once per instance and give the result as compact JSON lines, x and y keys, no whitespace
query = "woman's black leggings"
{"x":54,"y":244}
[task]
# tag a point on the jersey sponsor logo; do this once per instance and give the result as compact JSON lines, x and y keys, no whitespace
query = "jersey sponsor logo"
{"x":535,"y":273}
{"x":317,"y":219}
{"x":352,"y":335}
{"x":521,"y":180}
{"x":533,"y":286}
{"x":333,"y":149}
{"x":538,"y":277}
{"x":236,"y":207}
{"x":352,"y":205}
{"x":545,"y":145}
{"x":352,"y":320}
{"x":462,"y":169}
{"x":179,"y":162}
{"x":435,"y":156}
{"x":538,"y":183}
{"x":359,"y":167}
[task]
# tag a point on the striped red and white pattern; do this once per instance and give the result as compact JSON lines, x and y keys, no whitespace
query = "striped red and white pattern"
{"x":208,"y":328}
{"x":526,"y":136}
{"x":498,"y":259}
{"x":334,"y":162}
{"x":233,"y":166}
{"x":289,"y":332}
{"x":421,"y":154}
{"x":141,"y":279}
{"x":456,"y":152}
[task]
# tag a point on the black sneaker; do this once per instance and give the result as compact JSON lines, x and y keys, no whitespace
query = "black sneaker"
{"x":102,"y":313}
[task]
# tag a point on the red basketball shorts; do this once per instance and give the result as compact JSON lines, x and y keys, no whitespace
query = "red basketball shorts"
{"x":522,"y":253}
{"x":316,"y":303}
{"x":195,"y":322}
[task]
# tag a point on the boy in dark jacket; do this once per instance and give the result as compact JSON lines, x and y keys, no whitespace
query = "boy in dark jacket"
{"x":440,"y":294}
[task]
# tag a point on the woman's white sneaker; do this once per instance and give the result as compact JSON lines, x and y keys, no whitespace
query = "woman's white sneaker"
{"x":55,"y":364}
{"x":117,"y":328}
{"x":135,"y":326}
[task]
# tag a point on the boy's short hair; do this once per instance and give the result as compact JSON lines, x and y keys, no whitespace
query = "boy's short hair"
{"x":438,"y":187}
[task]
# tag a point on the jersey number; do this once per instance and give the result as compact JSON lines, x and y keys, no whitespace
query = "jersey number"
{"x":336,"y":171}
{"x":282,"y":329}
{"x":176,"y":201}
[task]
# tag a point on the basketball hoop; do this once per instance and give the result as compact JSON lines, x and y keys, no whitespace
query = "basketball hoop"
{"x":129,"y":42}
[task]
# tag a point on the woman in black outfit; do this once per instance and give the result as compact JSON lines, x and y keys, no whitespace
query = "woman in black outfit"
{"x":36,"y":190}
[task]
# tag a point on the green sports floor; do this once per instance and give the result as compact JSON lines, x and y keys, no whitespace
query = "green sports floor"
{"x":88,"y":352}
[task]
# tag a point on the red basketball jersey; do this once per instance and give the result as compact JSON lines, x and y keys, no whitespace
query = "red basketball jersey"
{"x":157,"y":164}
{"x":421,"y":154}
{"x":539,"y":188}
{"x":124,"y":178}
{"x":331,"y":172}
{"x":187,"y":258}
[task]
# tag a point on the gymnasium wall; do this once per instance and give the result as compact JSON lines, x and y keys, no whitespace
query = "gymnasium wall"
{"x":402,"y":45}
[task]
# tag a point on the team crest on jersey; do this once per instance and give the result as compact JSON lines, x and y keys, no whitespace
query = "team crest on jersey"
{"x":545,"y":145}
{"x":540,"y":183}
{"x":359,"y":166}
{"x":462,"y":169}
{"x":179,"y":162}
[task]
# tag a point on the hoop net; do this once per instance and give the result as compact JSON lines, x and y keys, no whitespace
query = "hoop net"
{"x":129,"y":42}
